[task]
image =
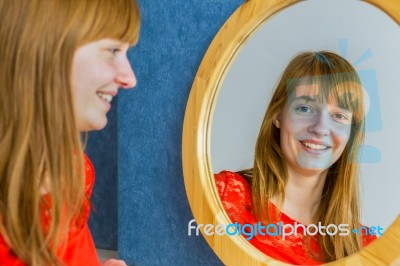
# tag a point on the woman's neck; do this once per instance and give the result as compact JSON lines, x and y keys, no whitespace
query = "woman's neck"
{"x":303,"y":194}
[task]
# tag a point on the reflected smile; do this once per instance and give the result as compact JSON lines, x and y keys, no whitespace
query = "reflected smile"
{"x":315,"y":146}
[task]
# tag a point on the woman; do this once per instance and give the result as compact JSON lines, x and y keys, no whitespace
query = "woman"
{"x":62,"y":63}
{"x":305,"y":169}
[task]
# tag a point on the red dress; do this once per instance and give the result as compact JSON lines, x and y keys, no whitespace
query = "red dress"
{"x":80,"y":249}
{"x":235,"y":195}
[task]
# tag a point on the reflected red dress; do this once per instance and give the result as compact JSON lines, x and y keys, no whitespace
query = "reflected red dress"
{"x":80,"y":249}
{"x":235,"y":195}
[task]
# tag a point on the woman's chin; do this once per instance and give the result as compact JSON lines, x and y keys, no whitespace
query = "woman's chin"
{"x":98,"y":124}
{"x":314,"y":167}
{"x":315,"y":163}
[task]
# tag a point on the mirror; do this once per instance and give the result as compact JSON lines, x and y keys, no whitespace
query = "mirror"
{"x":222,"y":80}
{"x":249,"y":83}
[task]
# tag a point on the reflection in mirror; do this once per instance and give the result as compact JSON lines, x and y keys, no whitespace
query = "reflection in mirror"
{"x":248,"y":87}
{"x":305,"y":174}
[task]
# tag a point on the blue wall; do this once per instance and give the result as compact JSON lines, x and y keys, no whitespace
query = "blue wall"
{"x":140,"y":204}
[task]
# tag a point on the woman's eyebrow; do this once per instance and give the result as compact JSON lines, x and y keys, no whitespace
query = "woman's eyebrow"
{"x":111,"y":41}
{"x":306,"y":98}
{"x":344,"y":109}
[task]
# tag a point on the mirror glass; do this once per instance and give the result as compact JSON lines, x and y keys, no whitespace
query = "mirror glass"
{"x":364,"y":35}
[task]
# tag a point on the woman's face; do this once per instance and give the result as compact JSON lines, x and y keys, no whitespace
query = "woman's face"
{"x":313,"y":134}
{"x":99,"y":69}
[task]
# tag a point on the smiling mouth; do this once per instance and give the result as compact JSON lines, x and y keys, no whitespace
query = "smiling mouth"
{"x":314,"y":146}
{"x":106,"y":97}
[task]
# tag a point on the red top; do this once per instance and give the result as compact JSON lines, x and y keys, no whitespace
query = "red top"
{"x":80,"y":249}
{"x":235,"y":196}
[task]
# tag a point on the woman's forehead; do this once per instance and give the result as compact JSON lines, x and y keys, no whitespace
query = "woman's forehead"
{"x":316,"y":90}
{"x":310,"y":90}
{"x":337,"y":95}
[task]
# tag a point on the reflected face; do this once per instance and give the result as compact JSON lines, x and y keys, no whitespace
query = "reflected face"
{"x":313,"y":133}
{"x":99,"y":69}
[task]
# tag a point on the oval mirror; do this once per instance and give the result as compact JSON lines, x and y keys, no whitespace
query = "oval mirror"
{"x":235,"y":81}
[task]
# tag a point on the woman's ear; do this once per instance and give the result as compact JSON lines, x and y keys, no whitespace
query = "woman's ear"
{"x":277,"y":119}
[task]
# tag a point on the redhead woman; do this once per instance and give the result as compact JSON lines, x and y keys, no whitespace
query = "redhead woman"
{"x":305,"y":170}
{"x":62,"y":62}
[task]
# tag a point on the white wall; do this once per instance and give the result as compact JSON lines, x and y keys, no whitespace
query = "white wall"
{"x":365,"y":36}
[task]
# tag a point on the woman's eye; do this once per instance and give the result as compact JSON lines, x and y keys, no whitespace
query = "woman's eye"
{"x":340,"y":116}
{"x":304,"y":109}
{"x":114,"y":50}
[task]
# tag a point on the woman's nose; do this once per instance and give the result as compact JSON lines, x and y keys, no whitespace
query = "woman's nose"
{"x":125,"y":77}
{"x":321,"y":125}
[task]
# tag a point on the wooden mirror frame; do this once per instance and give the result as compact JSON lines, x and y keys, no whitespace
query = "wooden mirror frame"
{"x":197,"y":169}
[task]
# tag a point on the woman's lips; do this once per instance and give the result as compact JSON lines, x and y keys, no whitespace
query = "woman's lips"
{"x":314,"y":147}
{"x":105,"y":96}
{"x":105,"y":99}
